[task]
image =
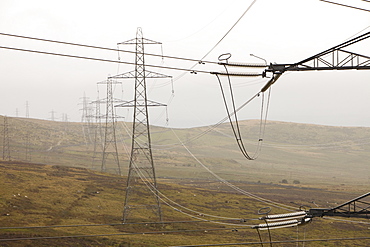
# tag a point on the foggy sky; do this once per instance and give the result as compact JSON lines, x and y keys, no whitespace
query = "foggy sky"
{"x":285,"y":31}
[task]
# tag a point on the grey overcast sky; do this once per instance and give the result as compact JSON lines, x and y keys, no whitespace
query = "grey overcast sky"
{"x":284,"y":31}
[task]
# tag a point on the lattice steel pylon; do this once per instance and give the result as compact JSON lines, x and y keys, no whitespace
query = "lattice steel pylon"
{"x":6,"y":145}
{"x":141,"y":189}
{"x":98,"y":134}
{"x":110,"y":141}
{"x":86,"y":119}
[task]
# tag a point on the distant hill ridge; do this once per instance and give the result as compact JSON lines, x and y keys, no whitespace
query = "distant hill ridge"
{"x":306,"y":153}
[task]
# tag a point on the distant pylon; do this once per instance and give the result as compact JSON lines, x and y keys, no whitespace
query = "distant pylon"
{"x":86,"y":119}
{"x":52,"y":115}
{"x":27,"y":110}
{"x":6,"y":144}
{"x":141,"y":189}
{"x":28,"y":144}
{"x":110,"y":141}
{"x":98,"y":134}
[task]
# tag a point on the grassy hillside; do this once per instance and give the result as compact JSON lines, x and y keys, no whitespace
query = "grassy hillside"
{"x":315,"y":156}
{"x":54,"y":180}
{"x":69,"y":202}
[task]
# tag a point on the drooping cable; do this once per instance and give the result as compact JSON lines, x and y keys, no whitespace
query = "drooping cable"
{"x":236,"y":188}
{"x":212,"y":127}
{"x":259,"y":236}
{"x":162,"y":197}
{"x":236,"y":128}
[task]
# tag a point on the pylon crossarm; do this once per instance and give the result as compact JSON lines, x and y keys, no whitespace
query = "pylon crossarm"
{"x":334,"y":58}
{"x":358,"y":207}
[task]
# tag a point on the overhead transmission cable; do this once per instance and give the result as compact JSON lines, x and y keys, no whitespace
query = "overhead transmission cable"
{"x":102,"y":48}
{"x":162,"y":197}
{"x":236,"y":129}
{"x":116,"y":234}
{"x":329,"y":145}
{"x":214,"y":126}
{"x":227,"y":33}
{"x":110,"y":224}
{"x":100,"y":59}
{"x":260,"y":199}
{"x":200,"y":61}
{"x":279,"y":242}
{"x":348,"y":6}
{"x":349,"y":221}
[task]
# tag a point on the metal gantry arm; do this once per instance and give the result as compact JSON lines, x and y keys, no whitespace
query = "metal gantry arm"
{"x":356,"y":207}
{"x":334,"y":58}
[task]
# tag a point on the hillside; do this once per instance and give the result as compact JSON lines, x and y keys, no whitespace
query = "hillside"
{"x":64,"y":206}
{"x":313,"y":155}
{"x":54,"y":180}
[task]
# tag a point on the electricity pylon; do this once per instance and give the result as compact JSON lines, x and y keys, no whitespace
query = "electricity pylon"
{"x":110,"y":141}
{"x":27,"y":110}
{"x":6,"y":146}
{"x":86,"y":119}
{"x":98,"y":135}
{"x":28,"y":144}
{"x":141,"y":189}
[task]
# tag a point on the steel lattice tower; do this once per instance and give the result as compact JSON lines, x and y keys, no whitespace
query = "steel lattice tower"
{"x":86,"y":118}
{"x":28,"y":144}
{"x":141,"y":189}
{"x":110,"y":142}
{"x":98,"y":135}
{"x":6,"y":145}
{"x":27,"y":110}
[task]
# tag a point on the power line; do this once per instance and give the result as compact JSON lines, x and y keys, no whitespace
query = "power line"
{"x":236,"y":130}
{"x":349,"y":221}
{"x":279,"y":242}
{"x":101,"y":59}
{"x":223,"y":37}
{"x":346,"y":5}
{"x":227,"y":33}
{"x":279,"y":205}
{"x":118,"y":234}
{"x":102,"y":48}
{"x":120,"y":224}
{"x":160,"y":195}
{"x":260,"y":199}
